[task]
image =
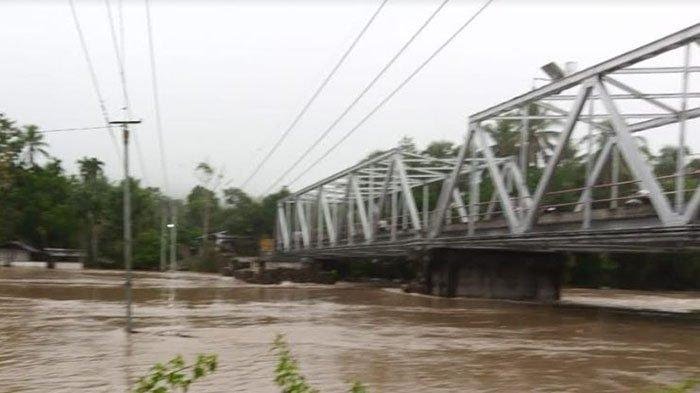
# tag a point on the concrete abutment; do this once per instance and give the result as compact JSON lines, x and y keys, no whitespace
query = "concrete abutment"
{"x":492,"y":274}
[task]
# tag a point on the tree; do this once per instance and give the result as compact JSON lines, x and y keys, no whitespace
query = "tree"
{"x":205,"y":173}
{"x":506,"y":135}
{"x":34,"y":144}
{"x":407,"y":144}
{"x":236,"y":198}
{"x":92,"y":198}
{"x":242,"y":216}
{"x":441,"y":149}
{"x":668,"y":158}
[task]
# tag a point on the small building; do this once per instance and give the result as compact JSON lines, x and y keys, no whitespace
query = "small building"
{"x":231,"y":244}
{"x":17,"y":251}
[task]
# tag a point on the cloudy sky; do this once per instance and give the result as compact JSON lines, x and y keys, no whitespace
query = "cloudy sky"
{"x":233,"y":74}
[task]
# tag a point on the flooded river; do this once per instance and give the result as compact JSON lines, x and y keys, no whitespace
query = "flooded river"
{"x":61,"y":331}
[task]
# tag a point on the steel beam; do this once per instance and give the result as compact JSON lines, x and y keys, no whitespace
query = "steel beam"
{"x":543,"y":184}
{"x":301,"y":218}
{"x":342,"y":173}
{"x":361,"y":210}
{"x":447,"y":186}
{"x":328,"y":218}
{"x":520,"y":185}
{"x":383,"y":196}
{"x":644,"y":52}
{"x":498,"y":181}
{"x":680,"y":160}
{"x":636,"y":163}
{"x":409,"y":202}
{"x":595,"y":172}
{"x":319,"y":218}
{"x":284,"y":228}
{"x":351,"y":212}
{"x":638,"y":94}
{"x":394,"y":215}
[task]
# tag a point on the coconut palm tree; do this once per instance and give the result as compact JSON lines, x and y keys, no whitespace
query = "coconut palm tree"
{"x":206,"y":175}
{"x":92,"y":201}
{"x":34,"y":143}
{"x":541,"y":134}
{"x":90,"y":169}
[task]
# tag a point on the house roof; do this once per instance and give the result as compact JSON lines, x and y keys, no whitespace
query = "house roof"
{"x":19,"y":245}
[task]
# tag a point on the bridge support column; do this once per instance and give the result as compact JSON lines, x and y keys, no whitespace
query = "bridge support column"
{"x":495,"y":275}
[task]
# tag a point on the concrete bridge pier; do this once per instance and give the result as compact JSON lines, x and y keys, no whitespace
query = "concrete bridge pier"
{"x":493,"y":274}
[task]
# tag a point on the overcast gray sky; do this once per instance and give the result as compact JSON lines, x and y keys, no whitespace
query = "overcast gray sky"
{"x":233,"y":74}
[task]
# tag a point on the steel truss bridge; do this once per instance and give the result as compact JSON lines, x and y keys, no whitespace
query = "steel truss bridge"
{"x":382,"y":206}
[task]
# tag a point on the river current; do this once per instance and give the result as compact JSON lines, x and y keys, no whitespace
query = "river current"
{"x":62,"y":331}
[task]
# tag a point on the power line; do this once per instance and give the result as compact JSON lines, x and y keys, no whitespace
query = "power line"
{"x":362,"y":94}
{"x":93,"y":77}
{"x":120,"y":16}
{"x":313,"y":96}
{"x":122,"y":76}
{"x":400,"y":86}
{"x":156,"y":100}
{"x":120,"y":61}
{"x":75,"y":129}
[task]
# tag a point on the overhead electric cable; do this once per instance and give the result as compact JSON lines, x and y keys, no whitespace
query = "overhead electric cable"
{"x":156,"y":100}
{"x":93,"y":77}
{"x":362,"y":94}
{"x":120,"y":16}
{"x":122,"y":76}
{"x":311,"y":100}
{"x":396,"y":90}
{"x":75,"y":129}
{"x":120,"y":60}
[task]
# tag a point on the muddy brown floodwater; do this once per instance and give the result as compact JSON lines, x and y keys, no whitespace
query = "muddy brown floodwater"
{"x":61,"y":331}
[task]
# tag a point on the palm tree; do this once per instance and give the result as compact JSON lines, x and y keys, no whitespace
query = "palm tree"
{"x":34,"y":143}
{"x":92,"y":203}
{"x":599,"y":137}
{"x":506,"y":134}
{"x":205,"y":173}
{"x":90,"y":169}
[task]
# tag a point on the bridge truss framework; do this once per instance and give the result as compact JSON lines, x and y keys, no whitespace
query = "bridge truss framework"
{"x":382,"y":206}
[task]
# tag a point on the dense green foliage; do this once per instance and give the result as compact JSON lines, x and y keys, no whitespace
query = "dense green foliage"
{"x":175,"y":375}
{"x":44,"y":206}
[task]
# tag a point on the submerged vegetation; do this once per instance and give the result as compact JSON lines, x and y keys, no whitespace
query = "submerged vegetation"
{"x":687,"y":386}
{"x":175,"y":375}
{"x":288,"y":376}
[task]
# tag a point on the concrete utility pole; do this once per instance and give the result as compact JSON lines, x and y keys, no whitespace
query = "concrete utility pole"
{"x":127,"y":218}
{"x":163,"y":235}
{"x":173,"y":236}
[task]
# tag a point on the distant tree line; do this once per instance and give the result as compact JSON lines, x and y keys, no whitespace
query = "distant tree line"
{"x":44,"y":206}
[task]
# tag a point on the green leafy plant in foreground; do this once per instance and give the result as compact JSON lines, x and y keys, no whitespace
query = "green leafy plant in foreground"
{"x":175,"y":375}
{"x":684,"y":387}
{"x":287,"y":374}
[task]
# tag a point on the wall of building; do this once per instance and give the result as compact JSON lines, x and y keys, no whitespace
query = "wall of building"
{"x":8,"y":255}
